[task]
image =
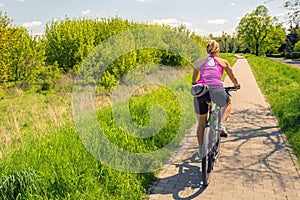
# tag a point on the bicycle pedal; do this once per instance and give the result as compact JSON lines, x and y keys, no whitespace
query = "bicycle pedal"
{"x":224,"y":135}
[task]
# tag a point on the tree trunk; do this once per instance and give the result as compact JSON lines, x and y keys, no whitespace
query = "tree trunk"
{"x":256,"y":49}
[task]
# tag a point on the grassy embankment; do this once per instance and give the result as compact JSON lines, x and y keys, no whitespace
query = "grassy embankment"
{"x":43,"y":157}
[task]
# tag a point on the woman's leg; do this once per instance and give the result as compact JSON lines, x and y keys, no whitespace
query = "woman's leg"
{"x":226,"y":112}
{"x":201,"y":109}
{"x":200,"y":128}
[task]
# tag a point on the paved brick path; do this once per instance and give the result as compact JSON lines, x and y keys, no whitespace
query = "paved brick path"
{"x":255,"y":161}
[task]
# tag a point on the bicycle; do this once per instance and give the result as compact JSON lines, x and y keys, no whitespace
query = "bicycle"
{"x":211,"y":139}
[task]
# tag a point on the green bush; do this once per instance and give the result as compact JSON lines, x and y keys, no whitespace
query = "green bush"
{"x":275,"y":55}
{"x":21,"y":56}
{"x":295,"y":55}
{"x":297,"y":47}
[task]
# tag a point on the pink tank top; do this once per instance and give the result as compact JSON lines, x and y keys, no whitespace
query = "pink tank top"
{"x":211,"y":73}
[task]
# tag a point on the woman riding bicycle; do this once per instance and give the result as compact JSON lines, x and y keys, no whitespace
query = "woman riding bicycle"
{"x":211,"y":70}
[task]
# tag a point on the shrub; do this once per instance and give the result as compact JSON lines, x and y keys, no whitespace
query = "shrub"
{"x":295,"y":55}
{"x":297,"y":47}
{"x":274,"y":55}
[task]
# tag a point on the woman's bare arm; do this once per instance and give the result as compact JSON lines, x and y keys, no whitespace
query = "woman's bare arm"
{"x":198,"y":64}
{"x":195,"y":75}
{"x":228,"y":70}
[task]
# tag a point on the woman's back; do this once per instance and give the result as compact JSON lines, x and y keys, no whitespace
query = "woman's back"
{"x":211,"y":72}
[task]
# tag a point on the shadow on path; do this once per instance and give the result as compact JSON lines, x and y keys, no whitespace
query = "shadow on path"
{"x":185,"y":184}
{"x":254,"y":155}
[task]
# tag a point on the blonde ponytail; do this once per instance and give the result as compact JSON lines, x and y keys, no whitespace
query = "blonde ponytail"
{"x":213,"y":47}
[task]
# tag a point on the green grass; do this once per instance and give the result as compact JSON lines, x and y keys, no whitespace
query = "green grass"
{"x":58,"y":166}
{"x":281,"y":85}
{"x":61,"y":168}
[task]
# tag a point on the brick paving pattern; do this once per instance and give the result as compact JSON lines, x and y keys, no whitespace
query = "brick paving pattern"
{"x":255,"y":163}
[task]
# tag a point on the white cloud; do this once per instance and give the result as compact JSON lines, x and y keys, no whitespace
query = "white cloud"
{"x":21,"y":0}
{"x":187,"y":24}
{"x":31,"y":24}
{"x":1,"y":5}
{"x":116,"y":11}
{"x":232,"y":30}
{"x":232,"y":4}
{"x":217,"y":21}
{"x":198,"y":31}
{"x":40,"y":34}
{"x":217,"y":34}
{"x":171,"y":21}
{"x":144,"y":1}
{"x":283,"y":14}
{"x":85,"y":12}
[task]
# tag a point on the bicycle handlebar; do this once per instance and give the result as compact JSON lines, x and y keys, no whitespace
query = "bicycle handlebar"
{"x":229,"y":89}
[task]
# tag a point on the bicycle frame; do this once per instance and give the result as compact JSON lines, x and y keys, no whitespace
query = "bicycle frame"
{"x":211,"y":132}
{"x":211,"y":139}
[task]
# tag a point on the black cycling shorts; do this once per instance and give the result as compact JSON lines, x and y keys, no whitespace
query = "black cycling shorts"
{"x":216,"y":94}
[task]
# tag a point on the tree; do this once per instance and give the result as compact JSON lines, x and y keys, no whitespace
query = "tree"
{"x":292,"y":37}
{"x":21,"y":56}
{"x":6,"y":45}
{"x":294,"y":7}
{"x":224,"y":41}
{"x":275,"y":39}
{"x":258,"y":31}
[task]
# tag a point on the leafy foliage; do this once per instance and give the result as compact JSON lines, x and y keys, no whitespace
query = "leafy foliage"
{"x":294,"y":7}
{"x":292,"y":37}
{"x":21,"y":57}
{"x":260,"y":32}
{"x":68,"y":42}
{"x":297,"y":47}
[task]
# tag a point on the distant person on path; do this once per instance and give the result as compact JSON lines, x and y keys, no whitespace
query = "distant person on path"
{"x":211,"y":70}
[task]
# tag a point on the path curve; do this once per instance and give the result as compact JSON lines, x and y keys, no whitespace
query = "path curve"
{"x":286,"y":61}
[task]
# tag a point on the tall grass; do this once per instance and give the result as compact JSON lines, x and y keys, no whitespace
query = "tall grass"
{"x":281,"y":85}
{"x":58,"y":166}
{"x":29,"y":114}
{"x":63,"y":169}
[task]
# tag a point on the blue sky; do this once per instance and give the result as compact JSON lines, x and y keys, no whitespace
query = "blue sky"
{"x":203,"y":17}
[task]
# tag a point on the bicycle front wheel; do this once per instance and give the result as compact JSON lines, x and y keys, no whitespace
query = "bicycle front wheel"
{"x":206,"y":169}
